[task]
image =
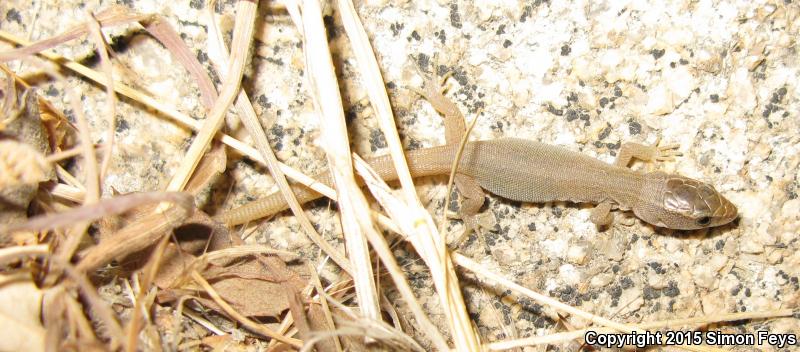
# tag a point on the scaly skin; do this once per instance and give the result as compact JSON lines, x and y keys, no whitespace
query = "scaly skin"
{"x":529,"y":171}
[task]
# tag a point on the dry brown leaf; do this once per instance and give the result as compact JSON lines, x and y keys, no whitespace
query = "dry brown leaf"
{"x":255,"y":285}
{"x":299,"y":314}
{"x":318,"y":323}
{"x":252,"y":297}
{"x":222,"y":343}
{"x":20,"y":308}
{"x":211,"y":166}
{"x":134,"y":237}
{"x":197,"y":235}
{"x":256,"y":297}
{"x":61,"y":134}
{"x":19,"y":121}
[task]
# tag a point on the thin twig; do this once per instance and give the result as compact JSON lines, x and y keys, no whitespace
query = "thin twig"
{"x":91,"y":212}
{"x":18,"y":252}
{"x":71,"y":153}
{"x":105,"y":62}
{"x":469,"y":264}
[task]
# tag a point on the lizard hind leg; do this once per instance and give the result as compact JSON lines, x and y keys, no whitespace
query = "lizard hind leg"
{"x":472,"y":200}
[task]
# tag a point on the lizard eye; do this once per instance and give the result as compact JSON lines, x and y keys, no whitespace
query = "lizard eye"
{"x":704,"y":221}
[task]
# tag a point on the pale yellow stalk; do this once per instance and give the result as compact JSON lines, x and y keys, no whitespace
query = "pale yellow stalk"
{"x":353,"y":205}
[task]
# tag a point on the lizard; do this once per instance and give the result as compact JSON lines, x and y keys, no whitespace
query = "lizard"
{"x":529,"y":171}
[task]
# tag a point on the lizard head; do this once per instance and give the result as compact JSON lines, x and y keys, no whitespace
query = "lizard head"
{"x":681,"y":203}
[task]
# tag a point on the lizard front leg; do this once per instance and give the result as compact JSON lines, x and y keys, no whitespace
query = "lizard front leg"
{"x":646,"y":153}
{"x":601,"y":214}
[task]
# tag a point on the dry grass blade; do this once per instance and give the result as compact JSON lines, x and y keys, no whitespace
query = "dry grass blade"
{"x":110,"y":17}
{"x":210,"y":167}
{"x":380,"y":101}
{"x":144,"y":296}
{"x":102,"y":310}
{"x":170,"y":112}
{"x":242,"y":35}
{"x":68,"y":179}
{"x":618,"y":327}
{"x":396,"y":210}
{"x":96,"y":34}
{"x":64,"y":318}
{"x":248,"y":117}
{"x":451,"y":178}
{"x":245,"y":250}
{"x":476,"y":268}
{"x":363,"y":326}
{"x":164,"y":33}
{"x":299,"y":315}
{"x":179,"y":311}
{"x":445,"y":279}
{"x":18,"y":252}
{"x":71,"y":153}
{"x":68,"y":192}
{"x":376,"y":90}
{"x":107,"y":207}
{"x":353,"y":207}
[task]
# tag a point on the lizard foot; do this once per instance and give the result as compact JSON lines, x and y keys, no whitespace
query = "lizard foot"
{"x":601,"y":214}
{"x":433,"y":89}
{"x":667,"y":152}
{"x":476,"y":223}
{"x":647,"y":153}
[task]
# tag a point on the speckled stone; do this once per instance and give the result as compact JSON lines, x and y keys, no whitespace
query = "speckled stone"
{"x":718,"y":78}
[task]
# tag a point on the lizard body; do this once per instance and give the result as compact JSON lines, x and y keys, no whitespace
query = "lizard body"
{"x":529,"y":171}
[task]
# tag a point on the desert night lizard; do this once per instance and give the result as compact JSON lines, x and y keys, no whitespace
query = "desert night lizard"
{"x":529,"y":171}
